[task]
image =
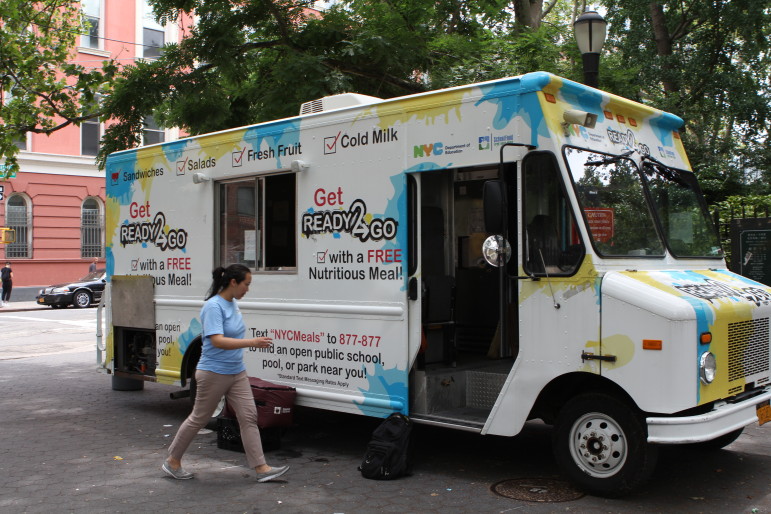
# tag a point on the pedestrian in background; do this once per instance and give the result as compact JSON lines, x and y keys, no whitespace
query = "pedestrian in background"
{"x":221,"y":372}
{"x":92,"y":266}
{"x":6,"y":276}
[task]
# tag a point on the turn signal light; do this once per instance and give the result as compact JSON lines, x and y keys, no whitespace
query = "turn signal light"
{"x":706,"y":337}
{"x":652,"y":344}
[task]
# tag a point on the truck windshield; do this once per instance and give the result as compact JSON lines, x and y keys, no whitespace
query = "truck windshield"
{"x":611,"y":191}
{"x":611,"y":195}
{"x":681,"y":210}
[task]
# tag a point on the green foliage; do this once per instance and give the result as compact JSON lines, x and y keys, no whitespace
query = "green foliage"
{"x":708,"y":62}
{"x":248,"y":61}
{"x":47,"y":93}
{"x":262,"y":59}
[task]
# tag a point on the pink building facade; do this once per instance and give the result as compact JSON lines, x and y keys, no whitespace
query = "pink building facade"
{"x":55,"y":203}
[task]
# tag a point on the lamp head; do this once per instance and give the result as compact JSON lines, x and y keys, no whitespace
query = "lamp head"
{"x":590,"y":30}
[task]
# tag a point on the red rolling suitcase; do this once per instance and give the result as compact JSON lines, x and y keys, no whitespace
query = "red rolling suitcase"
{"x":274,"y":411}
{"x":275,"y":403}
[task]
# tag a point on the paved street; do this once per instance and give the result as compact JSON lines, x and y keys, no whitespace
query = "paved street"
{"x":71,"y":444}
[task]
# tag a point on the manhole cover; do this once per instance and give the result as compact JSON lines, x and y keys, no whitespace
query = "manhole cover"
{"x":537,"y":490}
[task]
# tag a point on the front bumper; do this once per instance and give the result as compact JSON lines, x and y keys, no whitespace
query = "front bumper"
{"x":723,"y":418}
{"x":55,"y":299}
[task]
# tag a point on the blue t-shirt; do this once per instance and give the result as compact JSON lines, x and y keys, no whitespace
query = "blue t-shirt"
{"x":220,"y":316}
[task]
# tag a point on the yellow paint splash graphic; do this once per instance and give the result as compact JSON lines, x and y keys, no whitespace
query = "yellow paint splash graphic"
{"x":585,"y":278}
{"x":621,"y":347}
{"x":435,"y":109}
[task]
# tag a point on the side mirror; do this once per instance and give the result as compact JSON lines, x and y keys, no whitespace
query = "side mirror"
{"x":494,"y":200}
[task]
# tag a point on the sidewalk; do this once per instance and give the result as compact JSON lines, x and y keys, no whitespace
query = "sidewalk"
{"x":22,"y":306}
{"x":23,"y":299}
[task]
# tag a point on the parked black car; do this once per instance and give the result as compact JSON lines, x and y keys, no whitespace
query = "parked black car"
{"x":81,"y":293}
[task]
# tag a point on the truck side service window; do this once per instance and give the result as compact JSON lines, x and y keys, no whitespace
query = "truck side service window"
{"x":552,"y":244}
{"x":257,"y":222}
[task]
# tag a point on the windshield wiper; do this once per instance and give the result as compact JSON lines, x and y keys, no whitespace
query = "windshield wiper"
{"x":611,"y":159}
{"x":663,"y":170}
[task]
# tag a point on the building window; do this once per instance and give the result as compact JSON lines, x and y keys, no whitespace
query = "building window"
{"x":257,"y":223}
{"x":21,"y":142}
{"x":152,"y":134}
{"x":89,"y":137}
{"x":93,"y":14}
{"x":18,"y":216}
{"x":153,"y":33}
{"x":153,"y":41}
{"x":91,"y":228}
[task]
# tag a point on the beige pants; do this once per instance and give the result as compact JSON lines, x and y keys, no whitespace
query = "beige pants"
{"x":236,"y":389}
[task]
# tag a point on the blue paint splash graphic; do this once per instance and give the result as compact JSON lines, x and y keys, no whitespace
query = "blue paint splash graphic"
{"x":387,"y":386}
{"x":185,"y":338}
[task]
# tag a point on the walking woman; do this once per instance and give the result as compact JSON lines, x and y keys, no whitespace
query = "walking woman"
{"x":221,"y":372}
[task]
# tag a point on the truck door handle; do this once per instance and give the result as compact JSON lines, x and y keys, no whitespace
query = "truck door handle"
{"x":412,"y":289}
{"x":592,"y":357}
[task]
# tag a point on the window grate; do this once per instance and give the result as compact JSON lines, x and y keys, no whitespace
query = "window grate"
{"x":748,"y":348}
{"x":92,"y":223}
{"x":18,"y":219}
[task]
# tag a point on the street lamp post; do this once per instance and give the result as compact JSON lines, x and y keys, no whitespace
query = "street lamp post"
{"x":590,"y":30}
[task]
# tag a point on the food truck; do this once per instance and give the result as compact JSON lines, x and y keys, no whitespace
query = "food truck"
{"x":527,"y":248}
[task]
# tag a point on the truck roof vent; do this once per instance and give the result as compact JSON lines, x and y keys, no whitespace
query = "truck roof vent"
{"x":329,"y":103}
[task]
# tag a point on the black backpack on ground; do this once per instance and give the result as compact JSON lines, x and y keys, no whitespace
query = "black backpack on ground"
{"x":388,"y":451}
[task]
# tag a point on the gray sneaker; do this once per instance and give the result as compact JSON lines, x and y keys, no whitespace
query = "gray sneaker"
{"x":273,"y":473}
{"x":179,"y":473}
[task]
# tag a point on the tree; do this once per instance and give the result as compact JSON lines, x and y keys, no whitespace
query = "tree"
{"x":43,"y":92}
{"x":246,"y":62}
{"x":708,"y":62}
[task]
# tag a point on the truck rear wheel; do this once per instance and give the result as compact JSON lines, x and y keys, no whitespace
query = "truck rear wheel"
{"x":600,"y":443}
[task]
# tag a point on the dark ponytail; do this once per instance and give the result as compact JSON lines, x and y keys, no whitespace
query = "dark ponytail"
{"x":221,"y":277}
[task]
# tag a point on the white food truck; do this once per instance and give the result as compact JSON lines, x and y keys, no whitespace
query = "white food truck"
{"x":475,"y":257}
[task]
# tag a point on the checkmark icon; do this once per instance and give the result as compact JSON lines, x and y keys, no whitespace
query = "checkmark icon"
{"x":321,"y":257}
{"x":238,"y":157}
{"x":330,"y":144}
{"x":181,"y":166}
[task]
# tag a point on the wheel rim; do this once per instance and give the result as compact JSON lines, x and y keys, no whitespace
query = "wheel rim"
{"x":82,"y":300}
{"x":598,"y":445}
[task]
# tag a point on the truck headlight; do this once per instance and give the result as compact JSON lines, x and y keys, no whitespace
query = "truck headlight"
{"x":707,"y":367}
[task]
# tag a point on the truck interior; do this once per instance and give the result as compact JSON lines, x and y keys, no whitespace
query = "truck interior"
{"x":459,"y":370}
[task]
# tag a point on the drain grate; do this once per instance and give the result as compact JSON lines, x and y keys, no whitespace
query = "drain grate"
{"x":537,"y":490}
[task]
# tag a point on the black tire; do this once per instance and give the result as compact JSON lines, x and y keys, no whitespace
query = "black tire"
{"x":81,"y":299}
{"x":718,"y":443}
{"x":600,"y":444}
{"x":127,"y":384}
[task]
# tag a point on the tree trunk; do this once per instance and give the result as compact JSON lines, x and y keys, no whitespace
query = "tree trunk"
{"x":527,"y":13}
{"x":663,"y":45}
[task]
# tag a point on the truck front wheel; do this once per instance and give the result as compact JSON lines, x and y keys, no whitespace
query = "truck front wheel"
{"x":600,"y":444}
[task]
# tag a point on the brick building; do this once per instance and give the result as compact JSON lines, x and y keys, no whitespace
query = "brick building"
{"x":56,"y":201}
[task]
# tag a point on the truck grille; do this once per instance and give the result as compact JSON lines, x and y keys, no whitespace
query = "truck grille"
{"x":748,"y":348}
